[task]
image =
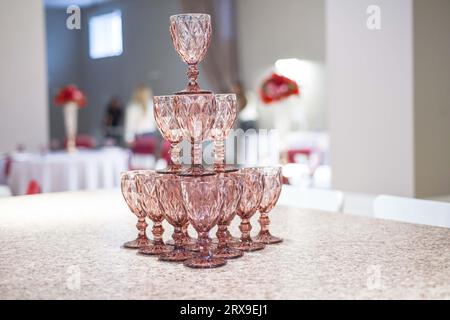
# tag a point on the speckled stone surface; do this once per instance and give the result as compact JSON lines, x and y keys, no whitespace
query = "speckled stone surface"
{"x":68,"y":246}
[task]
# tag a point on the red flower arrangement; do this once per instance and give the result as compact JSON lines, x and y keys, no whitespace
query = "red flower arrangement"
{"x":278,"y":87}
{"x":70,"y":93}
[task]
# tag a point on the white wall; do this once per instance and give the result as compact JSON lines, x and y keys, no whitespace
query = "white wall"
{"x":269,"y":30}
{"x":23,"y":79}
{"x":432,"y":97}
{"x":371,"y":97}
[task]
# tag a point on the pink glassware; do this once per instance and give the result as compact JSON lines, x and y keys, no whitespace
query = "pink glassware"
{"x":146,"y":189}
{"x":191,"y":36}
{"x":272,"y":181}
{"x":226,"y":115}
{"x":195,"y":113}
{"x":252,"y":183}
{"x":171,"y":203}
{"x":188,"y":242}
{"x":129,"y":192}
{"x":168,"y":126}
{"x":232,"y":191}
{"x":203,"y":199}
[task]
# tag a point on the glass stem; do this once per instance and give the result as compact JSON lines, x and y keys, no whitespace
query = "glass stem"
{"x":175,"y":154}
{"x":196,"y":153}
{"x":157,"y":231}
{"x":245,"y":228}
{"x":192,"y":74}
{"x":184,"y":230}
{"x":264,"y":222}
{"x":221,"y":234}
{"x":203,"y":243}
{"x":178,"y":238}
{"x":141,"y":226}
{"x":219,"y":153}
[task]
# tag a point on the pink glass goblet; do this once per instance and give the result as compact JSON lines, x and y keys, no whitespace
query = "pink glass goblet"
{"x":252,"y":184}
{"x":203,"y":199}
{"x":191,"y":36}
{"x":272,"y":182}
{"x":188,"y":242}
{"x":232,"y":191}
{"x":129,"y":192}
{"x":226,"y":115}
{"x":146,"y":188}
{"x":195,"y":113}
{"x":168,"y":126}
{"x":170,"y":198}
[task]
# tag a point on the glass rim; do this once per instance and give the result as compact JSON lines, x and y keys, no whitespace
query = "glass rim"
{"x":137,"y":171}
{"x":220,"y":95}
{"x":164,"y":96}
{"x":193,"y":15}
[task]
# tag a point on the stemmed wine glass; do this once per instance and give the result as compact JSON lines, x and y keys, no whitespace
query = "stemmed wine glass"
{"x":168,"y":126}
{"x":272,"y":182}
{"x":191,"y":36}
{"x":232,"y":191}
{"x":195,"y":113}
{"x":203,"y":199}
{"x":226,"y":115}
{"x":252,"y":184}
{"x":146,"y":189}
{"x":128,"y":187}
{"x":171,"y":203}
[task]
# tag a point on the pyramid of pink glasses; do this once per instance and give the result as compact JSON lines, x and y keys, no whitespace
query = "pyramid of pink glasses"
{"x":198,"y":195}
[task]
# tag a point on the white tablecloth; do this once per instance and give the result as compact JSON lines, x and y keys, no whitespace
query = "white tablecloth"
{"x":61,"y":171}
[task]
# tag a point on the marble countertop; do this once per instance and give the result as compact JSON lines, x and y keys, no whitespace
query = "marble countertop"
{"x":68,"y":246}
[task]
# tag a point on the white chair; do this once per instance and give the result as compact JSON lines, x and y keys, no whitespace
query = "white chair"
{"x":360,"y":204}
{"x":427,"y":212}
{"x":327,"y":200}
{"x":4,"y":191}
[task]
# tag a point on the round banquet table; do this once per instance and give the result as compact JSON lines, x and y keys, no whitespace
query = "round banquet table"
{"x":62,"y":171}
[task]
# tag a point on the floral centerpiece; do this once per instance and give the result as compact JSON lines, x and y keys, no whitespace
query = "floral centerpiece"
{"x":277,"y":87}
{"x":71,"y":99}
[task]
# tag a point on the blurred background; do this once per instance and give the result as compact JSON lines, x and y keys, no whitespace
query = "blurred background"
{"x":348,"y":95}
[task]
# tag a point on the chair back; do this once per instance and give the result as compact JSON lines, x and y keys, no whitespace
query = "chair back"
{"x":327,"y":200}
{"x":411,"y":210}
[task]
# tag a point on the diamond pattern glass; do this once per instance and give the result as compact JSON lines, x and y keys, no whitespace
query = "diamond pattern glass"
{"x":232,"y":191}
{"x":226,"y":115}
{"x":203,"y":201}
{"x":195,"y":114}
{"x":168,"y":126}
{"x":272,"y":182}
{"x":171,"y":203}
{"x":129,"y":192}
{"x":251,"y":197}
{"x":146,"y":189}
{"x":191,"y":36}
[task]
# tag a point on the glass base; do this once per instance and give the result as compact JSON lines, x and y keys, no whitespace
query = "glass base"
{"x":191,"y":246}
{"x":267,"y":238}
{"x":196,"y":171}
{"x":137,"y":243}
{"x":228,"y":253}
{"x":248,"y":246}
{"x":176,"y":255}
{"x":170,"y":170}
{"x":154,"y":250}
{"x":225,"y":168}
{"x":205,"y":263}
{"x":230,"y":240}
